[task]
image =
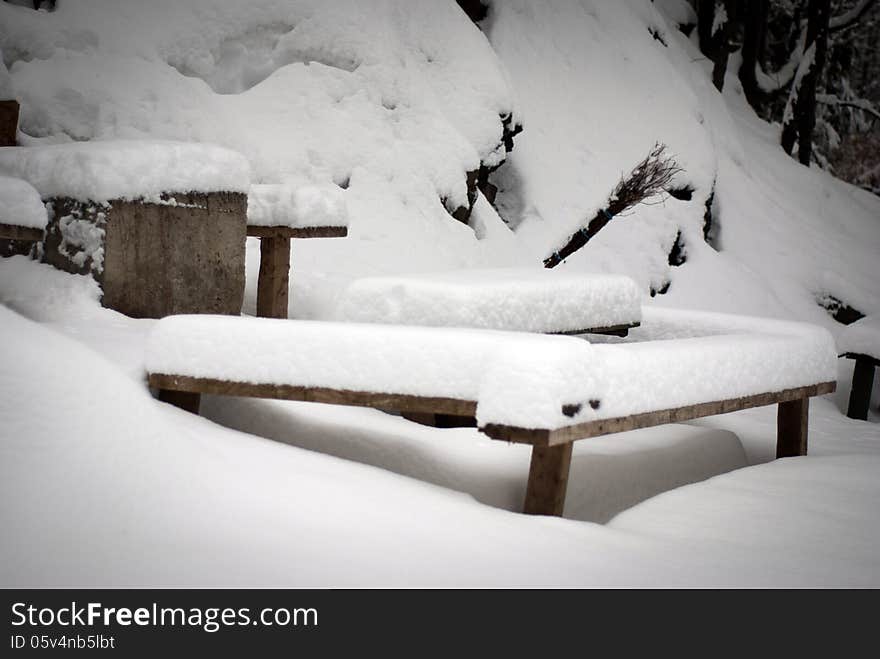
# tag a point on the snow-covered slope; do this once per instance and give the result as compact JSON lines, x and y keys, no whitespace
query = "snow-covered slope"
{"x":596,"y":99}
{"x":391,"y":102}
{"x":396,"y":101}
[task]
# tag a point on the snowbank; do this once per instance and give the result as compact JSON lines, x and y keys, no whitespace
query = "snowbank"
{"x":20,"y":204}
{"x":115,"y":489}
{"x":861,"y":338}
{"x":126,"y":169}
{"x":296,"y":207}
{"x":536,"y":300}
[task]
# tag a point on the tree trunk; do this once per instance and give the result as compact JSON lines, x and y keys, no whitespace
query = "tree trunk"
{"x":722,"y":45}
{"x":754,"y":15}
{"x":801,"y":120}
{"x":705,"y":21}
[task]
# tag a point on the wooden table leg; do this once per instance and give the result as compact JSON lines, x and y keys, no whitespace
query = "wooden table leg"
{"x":860,"y":396}
{"x":548,"y":480}
{"x":274,"y":280}
{"x":8,"y":122}
{"x":188,"y":402}
{"x":791,"y":428}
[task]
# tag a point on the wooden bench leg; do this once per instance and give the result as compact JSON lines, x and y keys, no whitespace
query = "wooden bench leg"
{"x":188,"y":402}
{"x":548,"y":480}
{"x":791,"y":428}
{"x":274,"y":280}
{"x":440,"y":420}
{"x":860,"y":396}
{"x":8,"y":122}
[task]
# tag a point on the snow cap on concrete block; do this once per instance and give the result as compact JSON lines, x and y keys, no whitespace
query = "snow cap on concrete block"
{"x":20,"y":204}
{"x":126,"y":169}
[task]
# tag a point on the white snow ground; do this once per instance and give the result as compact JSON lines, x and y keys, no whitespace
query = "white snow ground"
{"x":101,"y":485}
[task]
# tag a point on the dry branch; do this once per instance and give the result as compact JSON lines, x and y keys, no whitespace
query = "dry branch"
{"x":650,"y":177}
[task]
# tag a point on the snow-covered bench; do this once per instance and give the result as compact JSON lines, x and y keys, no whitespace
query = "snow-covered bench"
{"x":277,"y":214}
{"x":22,"y":213}
{"x":861,"y":342}
{"x":547,"y":391}
{"x":516,"y":300}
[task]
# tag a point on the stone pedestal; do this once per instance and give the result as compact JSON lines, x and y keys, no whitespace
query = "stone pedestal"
{"x":183,"y":253}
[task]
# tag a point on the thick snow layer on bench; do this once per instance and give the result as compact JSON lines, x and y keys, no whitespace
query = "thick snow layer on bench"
{"x":297,"y":206}
{"x":20,"y":204}
{"x":679,"y":358}
{"x":862,"y":337}
{"x":126,"y":169}
{"x":535,"y":300}
{"x":516,"y":379}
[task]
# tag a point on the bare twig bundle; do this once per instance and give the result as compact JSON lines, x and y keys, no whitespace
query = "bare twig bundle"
{"x":650,"y":177}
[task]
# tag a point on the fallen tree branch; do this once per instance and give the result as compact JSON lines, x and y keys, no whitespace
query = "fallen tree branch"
{"x":650,"y":177}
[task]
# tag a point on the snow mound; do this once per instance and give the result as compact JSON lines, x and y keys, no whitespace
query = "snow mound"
{"x":20,"y":204}
{"x":297,"y":206}
{"x":861,"y":338}
{"x":536,"y":300}
{"x":126,"y":169}
{"x":396,"y":100}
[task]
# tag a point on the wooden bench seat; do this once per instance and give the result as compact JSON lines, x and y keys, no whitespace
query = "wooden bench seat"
{"x":282,"y":356}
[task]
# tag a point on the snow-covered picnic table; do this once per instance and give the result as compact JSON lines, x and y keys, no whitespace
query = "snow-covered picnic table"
{"x":543,"y":390}
{"x":861,"y":342}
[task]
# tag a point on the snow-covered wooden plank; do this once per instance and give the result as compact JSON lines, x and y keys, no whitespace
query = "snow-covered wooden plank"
{"x":303,"y":207}
{"x":600,"y":427}
{"x":515,"y":299}
{"x":506,"y":377}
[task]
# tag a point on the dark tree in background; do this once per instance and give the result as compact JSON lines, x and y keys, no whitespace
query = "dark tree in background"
{"x":811,"y":65}
{"x":799,"y":118}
